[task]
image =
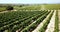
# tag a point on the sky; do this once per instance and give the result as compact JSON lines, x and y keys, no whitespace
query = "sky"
{"x":29,"y":1}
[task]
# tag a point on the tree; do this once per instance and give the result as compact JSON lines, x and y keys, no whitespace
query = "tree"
{"x":9,"y":8}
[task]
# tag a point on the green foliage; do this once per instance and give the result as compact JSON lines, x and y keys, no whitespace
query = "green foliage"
{"x":34,"y":25}
{"x":9,"y":8}
{"x":12,"y":21}
{"x":43,"y":28}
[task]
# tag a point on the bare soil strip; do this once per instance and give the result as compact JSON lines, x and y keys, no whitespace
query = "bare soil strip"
{"x":51,"y":25}
{"x":41,"y":24}
{"x":59,"y":19}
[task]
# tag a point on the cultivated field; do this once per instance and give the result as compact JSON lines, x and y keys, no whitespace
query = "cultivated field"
{"x":39,"y":18}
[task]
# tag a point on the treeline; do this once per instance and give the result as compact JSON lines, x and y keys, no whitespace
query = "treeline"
{"x":9,"y":7}
{"x":4,"y":8}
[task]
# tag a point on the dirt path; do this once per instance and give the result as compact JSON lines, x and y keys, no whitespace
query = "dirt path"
{"x":3,"y":11}
{"x":59,"y":19}
{"x":51,"y":25}
{"x":7,"y":11}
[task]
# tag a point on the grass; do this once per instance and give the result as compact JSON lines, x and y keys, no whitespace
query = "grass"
{"x":52,"y":6}
{"x":28,"y":7}
{"x":38,"y":7}
{"x":2,"y":9}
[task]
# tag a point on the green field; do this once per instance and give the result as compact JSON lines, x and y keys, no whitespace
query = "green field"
{"x":52,"y":6}
{"x":36,"y":7}
{"x":2,"y":9}
{"x":28,"y":18}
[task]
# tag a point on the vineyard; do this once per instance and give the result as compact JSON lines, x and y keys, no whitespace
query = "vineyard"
{"x":29,"y":20}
